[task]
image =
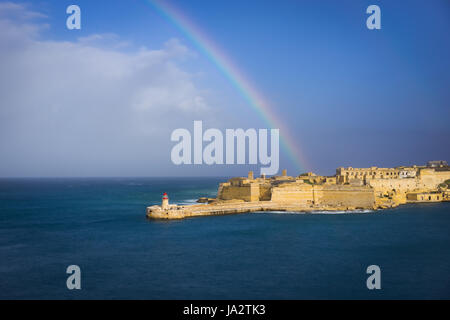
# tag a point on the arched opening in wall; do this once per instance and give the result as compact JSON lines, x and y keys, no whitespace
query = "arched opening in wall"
{"x":429,"y":197}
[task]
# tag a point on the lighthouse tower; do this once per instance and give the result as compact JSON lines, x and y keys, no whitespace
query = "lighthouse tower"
{"x":165,"y":201}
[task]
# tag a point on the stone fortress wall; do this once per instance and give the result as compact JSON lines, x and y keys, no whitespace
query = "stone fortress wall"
{"x":350,"y":187}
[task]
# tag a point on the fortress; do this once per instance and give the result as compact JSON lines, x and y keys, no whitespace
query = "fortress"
{"x":349,"y":189}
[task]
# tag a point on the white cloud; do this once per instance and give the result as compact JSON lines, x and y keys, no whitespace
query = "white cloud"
{"x":18,"y":11}
{"x":70,"y":108}
{"x":109,"y":40}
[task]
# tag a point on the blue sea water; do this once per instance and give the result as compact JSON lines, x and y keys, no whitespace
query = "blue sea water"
{"x":100,"y":225}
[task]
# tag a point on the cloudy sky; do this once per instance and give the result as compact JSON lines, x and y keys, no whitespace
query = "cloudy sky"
{"x":103,"y":100}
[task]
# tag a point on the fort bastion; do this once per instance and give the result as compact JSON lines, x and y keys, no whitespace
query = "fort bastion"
{"x":349,"y":189}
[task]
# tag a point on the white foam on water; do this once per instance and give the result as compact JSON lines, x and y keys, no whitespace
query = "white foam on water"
{"x":189,"y":201}
{"x":286,"y":212}
{"x":341,"y":211}
{"x":329,"y":212}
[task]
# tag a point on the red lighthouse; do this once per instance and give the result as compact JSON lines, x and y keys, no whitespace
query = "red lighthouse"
{"x":165,"y":201}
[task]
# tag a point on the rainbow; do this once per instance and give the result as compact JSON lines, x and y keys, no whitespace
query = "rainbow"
{"x":234,"y":75}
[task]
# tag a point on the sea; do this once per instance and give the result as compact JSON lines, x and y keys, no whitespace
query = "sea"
{"x":99,"y":224}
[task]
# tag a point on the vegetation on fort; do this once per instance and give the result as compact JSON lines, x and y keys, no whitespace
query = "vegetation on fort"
{"x":445,"y":184}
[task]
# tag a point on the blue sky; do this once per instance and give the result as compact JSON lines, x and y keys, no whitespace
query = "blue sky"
{"x":349,"y":95}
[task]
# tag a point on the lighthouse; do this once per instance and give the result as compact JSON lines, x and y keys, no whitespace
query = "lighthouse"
{"x":165,"y":201}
